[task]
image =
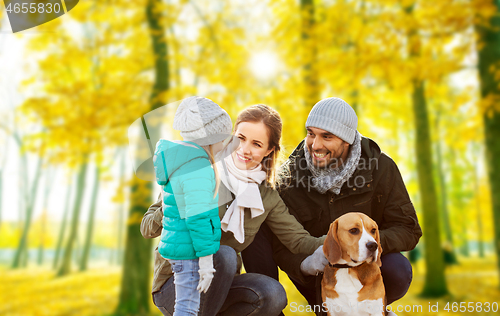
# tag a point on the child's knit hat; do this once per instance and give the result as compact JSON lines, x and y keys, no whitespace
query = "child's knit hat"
{"x":202,"y":121}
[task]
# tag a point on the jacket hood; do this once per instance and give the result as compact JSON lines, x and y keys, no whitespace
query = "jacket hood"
{"x":171,"y":155}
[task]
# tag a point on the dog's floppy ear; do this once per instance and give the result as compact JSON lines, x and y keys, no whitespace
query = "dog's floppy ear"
{"x":377,"y":238}
{"x":331,"y":247}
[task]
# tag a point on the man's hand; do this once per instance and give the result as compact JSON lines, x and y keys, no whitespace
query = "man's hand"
{"x":206,"y":273}
{"x":315,"y":263}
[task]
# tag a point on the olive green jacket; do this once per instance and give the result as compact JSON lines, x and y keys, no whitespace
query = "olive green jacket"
{"x":284,"y":226}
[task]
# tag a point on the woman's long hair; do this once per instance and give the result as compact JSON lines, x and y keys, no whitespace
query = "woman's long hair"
{"x":210,"y":151}
{"x":272,"y":120}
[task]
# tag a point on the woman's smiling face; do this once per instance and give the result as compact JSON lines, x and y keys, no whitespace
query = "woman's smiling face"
{"x":254,"y":145}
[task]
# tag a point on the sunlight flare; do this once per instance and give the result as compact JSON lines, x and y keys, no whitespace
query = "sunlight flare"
{"x":264,"y":65}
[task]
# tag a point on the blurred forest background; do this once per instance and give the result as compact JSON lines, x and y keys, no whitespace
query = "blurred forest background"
{"x":423,"y":77}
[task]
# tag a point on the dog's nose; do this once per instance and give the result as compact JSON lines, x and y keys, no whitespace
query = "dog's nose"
{"x":372,"y":246}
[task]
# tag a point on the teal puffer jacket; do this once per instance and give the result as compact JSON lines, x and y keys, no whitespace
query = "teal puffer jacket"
{"x":191,"y":224}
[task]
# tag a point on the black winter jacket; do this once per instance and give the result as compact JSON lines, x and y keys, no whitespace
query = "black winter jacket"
{"x":376,"y":189}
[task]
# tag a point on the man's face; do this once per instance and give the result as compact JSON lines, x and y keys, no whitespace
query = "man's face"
{"x":326,"y":149}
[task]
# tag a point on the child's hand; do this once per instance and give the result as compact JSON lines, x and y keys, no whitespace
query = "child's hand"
{"x":206,"y":273}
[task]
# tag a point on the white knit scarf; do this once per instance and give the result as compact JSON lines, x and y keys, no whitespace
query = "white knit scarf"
{"x":245,"y":186}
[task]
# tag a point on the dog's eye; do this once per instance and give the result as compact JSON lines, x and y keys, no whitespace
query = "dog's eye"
{"x":374,"y":231}
{"x":354,"y":231}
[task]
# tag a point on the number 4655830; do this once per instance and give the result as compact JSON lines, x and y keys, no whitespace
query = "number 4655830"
{"x":33,"y":8}
{"x":471,"y":307}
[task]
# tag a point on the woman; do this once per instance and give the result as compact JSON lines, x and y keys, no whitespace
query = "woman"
{"x":247,"y":175}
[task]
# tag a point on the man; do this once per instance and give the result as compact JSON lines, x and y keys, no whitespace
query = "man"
{"x":333,"y":171}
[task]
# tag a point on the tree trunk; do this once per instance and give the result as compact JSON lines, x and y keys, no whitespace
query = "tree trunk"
{"x":135,"y":289}
{"x":444,"y":196}
{"x":23,"y":200}
{"x":23,"y":244}
{"x":309,"y":53}
{"x":117,"y":256}
{"x":22,"y":185}
{"x":25,"y":256}
{"x":119,"y":251}
{"x":435,"y":281}
{"x":488,"y":58}
{"x":457,"y":199}
{"x":63,"y":228}
{"x":90,"y":224}
{"x":77,"y":253}
{"x":358,"y":71}
{"x":443,"y":192}
{"x":68,"y":250}
{"x":42,"y":238}
{"x":477,"y":194}
{"x":444,"y":213}
{"x":121,"y":210}
{"x":49,"y":176}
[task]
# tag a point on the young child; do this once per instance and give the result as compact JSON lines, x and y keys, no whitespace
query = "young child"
{"x":189,"y":179}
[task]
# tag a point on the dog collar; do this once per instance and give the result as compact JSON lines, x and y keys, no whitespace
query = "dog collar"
{"x":339,"y":266}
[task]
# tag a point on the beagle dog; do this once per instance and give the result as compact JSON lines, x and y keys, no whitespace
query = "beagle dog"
{"x":352,"y":281}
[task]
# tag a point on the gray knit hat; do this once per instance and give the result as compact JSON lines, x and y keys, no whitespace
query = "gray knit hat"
{"x":334,"y":115}
{"x":202,"y":121}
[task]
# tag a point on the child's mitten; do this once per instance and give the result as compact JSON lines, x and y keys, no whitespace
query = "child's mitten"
{"x":206,"y":273}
